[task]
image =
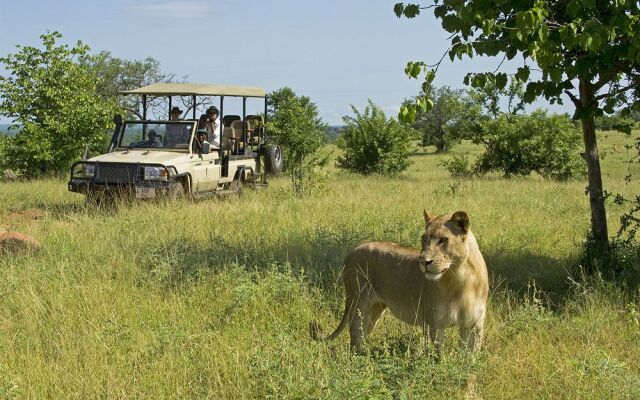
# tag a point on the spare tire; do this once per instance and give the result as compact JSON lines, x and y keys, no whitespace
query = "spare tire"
{"x":273,"y":159}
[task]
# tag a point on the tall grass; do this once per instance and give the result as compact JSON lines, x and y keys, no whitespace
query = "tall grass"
{"x":211,"y":299}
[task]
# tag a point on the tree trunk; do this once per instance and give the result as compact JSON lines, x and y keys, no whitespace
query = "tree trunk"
{"x":596,"y":194}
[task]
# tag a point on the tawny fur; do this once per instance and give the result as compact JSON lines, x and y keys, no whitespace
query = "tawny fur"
{"x":444,"y":284}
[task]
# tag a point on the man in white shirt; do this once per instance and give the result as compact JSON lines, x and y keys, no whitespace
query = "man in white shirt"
{"x":211,"y":122}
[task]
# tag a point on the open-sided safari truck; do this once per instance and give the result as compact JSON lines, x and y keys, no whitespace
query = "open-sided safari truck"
{"x":150,"y":158}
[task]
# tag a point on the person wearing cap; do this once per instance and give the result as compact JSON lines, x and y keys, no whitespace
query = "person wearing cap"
{"x":176,"y":133}
{"x":211,"y":122}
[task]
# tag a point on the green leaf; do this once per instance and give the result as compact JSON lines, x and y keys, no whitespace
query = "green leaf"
{"x":501,"y":81}
{"x":523,"y":74}
{"x":411,"y":10}
{"x":398,"y":9}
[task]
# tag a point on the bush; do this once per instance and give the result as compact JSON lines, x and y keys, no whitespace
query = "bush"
{"x":373,"y":144}
{"x":458,"y":166}
{"x":522,"y":144}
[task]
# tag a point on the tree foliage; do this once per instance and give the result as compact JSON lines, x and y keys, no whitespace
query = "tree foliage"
{"x":295,"y":123}
{"x":591,"y":43}
{"x":53,"y":98}
{"x":443,"y":125}
{"x":374,"y":144}
{"x":115,"y":74}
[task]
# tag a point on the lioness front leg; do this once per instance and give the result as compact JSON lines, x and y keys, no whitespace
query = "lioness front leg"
{"x":471,"y":337}
{"x":436,"y":336}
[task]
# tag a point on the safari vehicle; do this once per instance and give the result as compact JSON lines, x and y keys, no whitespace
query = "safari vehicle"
{"x":152,"y":158}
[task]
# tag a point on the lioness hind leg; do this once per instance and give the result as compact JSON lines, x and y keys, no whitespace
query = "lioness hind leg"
{"x":364,"y":320}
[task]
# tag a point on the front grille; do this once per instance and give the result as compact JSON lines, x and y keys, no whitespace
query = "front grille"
{"x":115,"y":173}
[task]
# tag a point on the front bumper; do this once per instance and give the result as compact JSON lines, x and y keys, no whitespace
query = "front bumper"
{"x":121,"y":179}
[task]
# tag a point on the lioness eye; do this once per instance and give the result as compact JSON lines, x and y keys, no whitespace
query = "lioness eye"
{"x":443,"y":240}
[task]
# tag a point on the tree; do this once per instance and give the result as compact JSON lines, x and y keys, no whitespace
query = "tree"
{"x":295,"y":123}
{"x":115,"y":75}
{"x":54,"y":100}
{"x":374,"y":144}
{"x":442,"y":125}
{"x":589,"y":43}
{"x":490,"y":96}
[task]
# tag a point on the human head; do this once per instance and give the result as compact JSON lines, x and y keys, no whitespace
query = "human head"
{"x":153,"y":135}
{"x":212,"y":112}
{"x":175,"y":113}
{"x":201,"y":135}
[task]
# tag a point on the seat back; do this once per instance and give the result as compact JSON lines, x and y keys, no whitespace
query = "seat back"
{"x":236,"y":130}
{"x":227,"y":120}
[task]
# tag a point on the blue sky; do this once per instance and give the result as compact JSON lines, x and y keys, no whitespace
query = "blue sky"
{"x":336,"y":52}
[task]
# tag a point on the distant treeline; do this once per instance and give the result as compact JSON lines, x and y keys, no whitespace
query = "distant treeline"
{"x":333,"y":132}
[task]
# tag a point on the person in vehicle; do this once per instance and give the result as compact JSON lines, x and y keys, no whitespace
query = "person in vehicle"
{"x":176,"y":133}
{"x":153,"y":140}
{"x":201,"y":138}
{"x":211,"y":122}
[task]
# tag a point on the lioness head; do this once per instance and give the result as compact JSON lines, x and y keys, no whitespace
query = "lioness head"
{"x":443,"y":243}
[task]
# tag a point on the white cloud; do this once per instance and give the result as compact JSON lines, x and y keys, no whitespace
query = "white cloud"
{"x":172,"y":9}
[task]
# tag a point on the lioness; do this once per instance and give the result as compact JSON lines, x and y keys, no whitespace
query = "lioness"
{"x":442,"y":285}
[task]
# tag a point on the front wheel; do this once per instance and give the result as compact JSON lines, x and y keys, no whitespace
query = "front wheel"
{"x":273,"y":159}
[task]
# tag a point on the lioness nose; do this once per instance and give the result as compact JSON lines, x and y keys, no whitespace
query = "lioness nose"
{"x":425,"y":260}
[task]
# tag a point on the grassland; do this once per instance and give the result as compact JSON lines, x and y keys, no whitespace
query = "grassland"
{"x":211,"y":299}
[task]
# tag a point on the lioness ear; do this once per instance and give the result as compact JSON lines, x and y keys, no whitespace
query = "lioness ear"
{"x":428,"y":217}
{"x":461,"y":219}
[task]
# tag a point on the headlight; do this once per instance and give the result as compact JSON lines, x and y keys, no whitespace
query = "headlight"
{"x":84,"y":171}
{"x":155,"y":174}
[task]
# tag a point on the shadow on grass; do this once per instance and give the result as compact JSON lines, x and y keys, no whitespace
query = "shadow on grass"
{"x":318,"y":253}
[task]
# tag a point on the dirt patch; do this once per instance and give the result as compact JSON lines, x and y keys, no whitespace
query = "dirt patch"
{"x":14,"y":242}
{"x":30,"y":214}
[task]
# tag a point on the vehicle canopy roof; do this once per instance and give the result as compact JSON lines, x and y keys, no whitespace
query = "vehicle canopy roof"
{"x":197,"y":89}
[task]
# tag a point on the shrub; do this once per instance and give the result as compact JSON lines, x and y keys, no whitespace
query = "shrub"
{"x":458,"y":166}
{"x":521,"y":144}
{"x":373,"y":144}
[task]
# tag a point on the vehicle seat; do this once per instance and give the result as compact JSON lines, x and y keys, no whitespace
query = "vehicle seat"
{"x":228,"y":119}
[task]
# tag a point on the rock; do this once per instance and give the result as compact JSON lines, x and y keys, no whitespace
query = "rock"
{"x":14,"y":242}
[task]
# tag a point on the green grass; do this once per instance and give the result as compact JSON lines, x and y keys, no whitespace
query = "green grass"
{"x":211,"y":299}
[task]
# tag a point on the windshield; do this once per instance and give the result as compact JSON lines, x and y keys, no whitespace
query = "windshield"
{"x":156,"y":135}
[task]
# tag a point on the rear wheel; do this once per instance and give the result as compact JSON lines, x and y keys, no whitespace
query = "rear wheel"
{"x":273,"y":159}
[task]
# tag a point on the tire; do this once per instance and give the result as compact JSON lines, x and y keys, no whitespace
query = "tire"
{"x":176,"y":191}
{"x":273,"y":159}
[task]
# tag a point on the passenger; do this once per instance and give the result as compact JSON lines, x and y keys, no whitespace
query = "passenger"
{"x":201,"y":138}
{"x":154,"y":140}
{"x":211,"y":122}
{"x":176,"y":133}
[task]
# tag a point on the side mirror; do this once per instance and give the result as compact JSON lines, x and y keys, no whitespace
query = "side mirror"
{"x":205,"y":148}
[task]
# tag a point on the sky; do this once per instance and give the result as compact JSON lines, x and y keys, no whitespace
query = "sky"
{"x":338,"y":53}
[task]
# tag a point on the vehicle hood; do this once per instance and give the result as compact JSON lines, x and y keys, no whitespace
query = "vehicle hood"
{"x":141,"y":156}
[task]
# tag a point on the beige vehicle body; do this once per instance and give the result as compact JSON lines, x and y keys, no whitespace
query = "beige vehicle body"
{"x":146,"y":160}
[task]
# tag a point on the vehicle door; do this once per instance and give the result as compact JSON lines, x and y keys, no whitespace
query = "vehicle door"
{"x":205,"y":170}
